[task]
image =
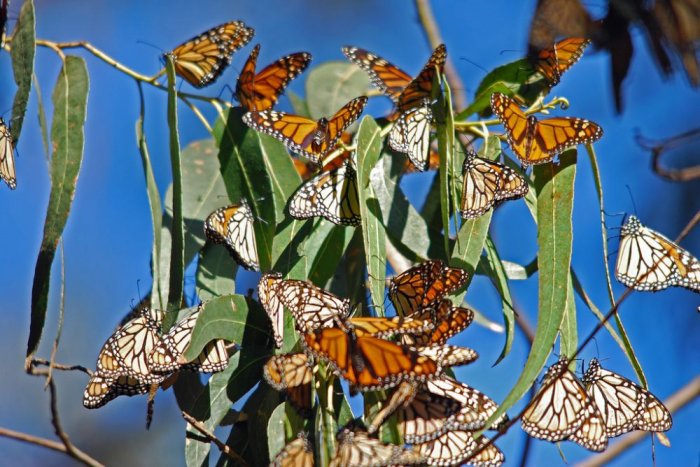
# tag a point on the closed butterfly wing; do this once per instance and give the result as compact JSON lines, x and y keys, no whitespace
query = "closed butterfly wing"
{"x":312,"y":307}
{"x":369,"y":363}
{"x":262,"y":90}
{"x":311,"y":139}
{"x":424,"y":286}
{"x":233,"y":227}
{"x":425,"y":417}
{"x":486,"y":183}
{"x":331,"y":195}
{"x":458,"y":447}
{"x":102,"y":389}
{"x":559,"y":407}
{"x":291,"y":373}
{"x":538,"y":142}
{"x":357,"y":449}
{"x":476,"y":407}
{"x":202,"y":59}
{"x":296,"y":453}
{"x":7,"y":157}
{"x":384,"y":328}
{"x":410,"y":135}
{"x":553,"y":61}
{"x":648,"y":261}
{"x":624,"y":405}
{"x":449,"y":355}
{"x":269,"y":299}
{"x":592,"y":433}
{"x":390,"y":79}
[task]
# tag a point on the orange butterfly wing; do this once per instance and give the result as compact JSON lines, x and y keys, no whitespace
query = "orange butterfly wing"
{"x":261,"y":91}
{"x":554,"y":61}
{"x":389,"y":78}
{"x":421,"y":87}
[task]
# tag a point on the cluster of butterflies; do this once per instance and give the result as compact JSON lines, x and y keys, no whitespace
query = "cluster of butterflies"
{"x":405,"y":355}
{"x":138,"y":358}
{"x":590,"y":410}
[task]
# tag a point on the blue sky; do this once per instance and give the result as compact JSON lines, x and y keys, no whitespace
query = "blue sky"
{"x":107,"y":239}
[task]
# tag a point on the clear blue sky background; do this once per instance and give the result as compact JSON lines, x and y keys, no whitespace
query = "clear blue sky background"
{"x":108,"y":240}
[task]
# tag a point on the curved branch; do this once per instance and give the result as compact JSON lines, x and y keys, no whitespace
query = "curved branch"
{"x":48,"y":444}
{"x":659,"y":148}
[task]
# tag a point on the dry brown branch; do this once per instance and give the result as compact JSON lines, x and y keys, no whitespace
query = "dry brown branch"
{"x":47,"y":443}
{"x":660,"y":147}
{"x":199,"y":426}
{"x":677,"y":401}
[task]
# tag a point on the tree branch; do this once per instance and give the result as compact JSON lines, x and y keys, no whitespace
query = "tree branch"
{"x":210,"y":437}
{"x":658,"y":148}
{"x":49,"y":444}
{"x":677,"y":401}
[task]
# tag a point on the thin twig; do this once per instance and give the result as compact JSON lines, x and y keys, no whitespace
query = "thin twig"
{"x":61,"y":309}
{"x":432,"y":33}
{"x":56,"y":421}
{"x":657,"y":149}
{"x":677,"y":401}
{"x":46,"y":443}
{"x":59,"y":366}
{"x":210,"y":436}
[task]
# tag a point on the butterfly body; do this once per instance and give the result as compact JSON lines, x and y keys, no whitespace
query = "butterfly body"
{"x":539,"y":141}
{"x":648,"y":261}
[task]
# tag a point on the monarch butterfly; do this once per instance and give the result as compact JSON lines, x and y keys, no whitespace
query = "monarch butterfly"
{"x":296,"y":453}
{"x":476,"y":409}
{"x":487,"y":184}
{"x":167,"y":355}
{"x":552,"y":62}
{"x":457,"y":447}
{"x":310,"y":138}
{"x":367,"y":362}
{"x":410,"y":135}
{"x":424,"y":285}
{"x":260,"y":91}
{"x":397,"y":84}
{"x":291,"y":373}
{"x":448,"y":321}
{"x":267,"y":294}
{"x":126,"y":352}
{"x":331,"y":194}
{"x":449,"y":355}
{"x":562,"y":409}
{"x":311,"y":306}
{"x":357,"y":449}
{"x":538,"y":142}
{"x":102,"y":389}
{"x":7,"y":156}
{"x":233,"y":226}
{"x":624,"y":405}
{"x":648,"y":261}
{"x":202,"y":59}
{"x":411,"y":132}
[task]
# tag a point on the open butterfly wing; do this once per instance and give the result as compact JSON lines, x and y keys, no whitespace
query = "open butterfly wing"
{"x":390,"y":79}
{"x":552,"y":62}
{"x":421,"y":87}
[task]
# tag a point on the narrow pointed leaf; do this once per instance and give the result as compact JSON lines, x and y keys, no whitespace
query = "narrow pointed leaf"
{"x":500,"y":281}
{"x":23,"y":50}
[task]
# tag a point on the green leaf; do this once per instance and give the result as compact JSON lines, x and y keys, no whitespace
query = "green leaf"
{"x":325,"y":251}
{"x":446,"y":145}
{"x":568,"y":340}
{"x":284,"y":424}
{"x":177,"y":227}
{"x":259,"y":408}
{"x":288,"y":252}
{"x":70,"y":103}
{"x":369,"y":146}
{"x":298,"y":104}
{"x":555,"y":196}
{"x":331,"y":85}
{"x":216,"y":273}
{"x":153,"y":194}
{"x":42,"y":119}
{"x":482,"y":101}
{"x":233,"y":318}
{"x":23,"y":49}
{"x":500,"y":281}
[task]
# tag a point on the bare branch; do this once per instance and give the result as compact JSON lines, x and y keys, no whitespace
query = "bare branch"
{"x":47,"y":443}
{"x":677,"y":401}
{"x":660,"y":147}
{"x":199,"y":426}
{"x":58,"y":366}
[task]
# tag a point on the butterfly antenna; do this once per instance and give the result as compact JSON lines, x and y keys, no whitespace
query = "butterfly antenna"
{"x":634,"y":205}
{"x":612,"y":253}
{"x":475,"y":64}
{"x":230,"y":89}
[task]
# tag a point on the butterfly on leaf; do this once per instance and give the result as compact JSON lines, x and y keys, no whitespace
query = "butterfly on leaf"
{"x":411,"y":132}
{"x":487,"y":184}
{"x":331,"y":194}
{"x":423,"y":286}
{"x":291,"y":373}
{"x":648,"y":261}
{"x":458,"y":447}
{"x":624,"y":405}
{"x":552,"y":62}
{"x":313,"y":139}
{"x":366,"y":362}
{"x":296,"y":453}
{"x":167,"y":355}
{"x":233,"y":227}
{"x":539,"y":141}
{"x":260,"y":91}
{"x":102,"y":389}
{"x":562,"y":409}
{"x":202,"y":59}
{"x":356,"y":448}
{"x":7,"y":156}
